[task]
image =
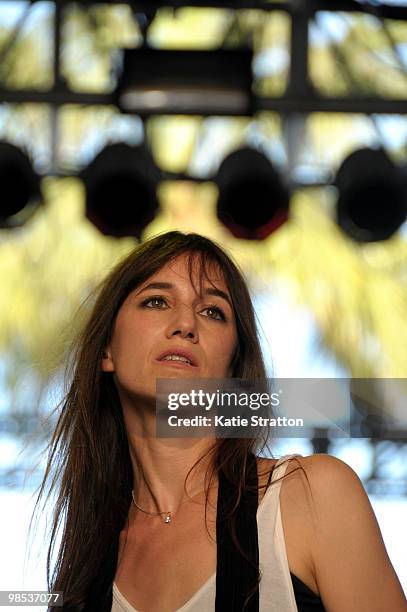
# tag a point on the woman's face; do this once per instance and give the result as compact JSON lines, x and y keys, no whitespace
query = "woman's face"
{"x":164,"y":322}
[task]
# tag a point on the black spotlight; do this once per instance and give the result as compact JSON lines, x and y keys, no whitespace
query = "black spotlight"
{"x":20,"y":185}
{"x":121,"y":184}
{"x":253,"y":201}
{"x":372,"y":202}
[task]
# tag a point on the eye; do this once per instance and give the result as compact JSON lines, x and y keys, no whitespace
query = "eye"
{"x":218,"y":313}
{"x":156,"y":301}
{"x":159,"y":302}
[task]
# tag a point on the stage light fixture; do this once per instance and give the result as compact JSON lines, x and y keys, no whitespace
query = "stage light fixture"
{"x":372,"y":202}
{"x":167,"y":81}
{"x":21,"y":193}
{"x":253,"y":201}
{"x":120,"y":185}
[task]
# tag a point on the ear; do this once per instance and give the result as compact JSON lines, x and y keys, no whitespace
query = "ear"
{"x":107,"y":361}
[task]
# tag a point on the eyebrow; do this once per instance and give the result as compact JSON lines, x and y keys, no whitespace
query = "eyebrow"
{"x":208,"y":291}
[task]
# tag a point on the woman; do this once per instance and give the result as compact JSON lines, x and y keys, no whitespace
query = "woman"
{"x":169,"y":524}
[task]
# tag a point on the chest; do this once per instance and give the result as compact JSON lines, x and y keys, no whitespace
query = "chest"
{"x":161,"y":566}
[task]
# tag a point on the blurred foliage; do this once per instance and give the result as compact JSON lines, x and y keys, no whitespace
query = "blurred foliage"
{"x":271,"y":44}
{"x":189,"y":28}
{"x":25,"y":57}
{"x":49,"y":267}
{"x":357,"y":293}
{"x":363,"y":62}
{"x":91,"y":38}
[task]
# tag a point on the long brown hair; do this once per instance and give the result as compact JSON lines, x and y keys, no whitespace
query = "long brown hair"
{"x":88,"y":462}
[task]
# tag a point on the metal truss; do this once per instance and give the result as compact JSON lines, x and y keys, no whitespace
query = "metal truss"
{"x":388,"y":11}
{"x":300,"y":97}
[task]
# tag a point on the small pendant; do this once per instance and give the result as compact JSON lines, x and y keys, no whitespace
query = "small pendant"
{"x":167,"y":518}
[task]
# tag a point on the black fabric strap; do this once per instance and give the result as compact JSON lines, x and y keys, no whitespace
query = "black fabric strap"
{"x":235,"y":576}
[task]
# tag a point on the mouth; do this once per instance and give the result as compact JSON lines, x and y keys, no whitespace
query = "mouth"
{"x":176,"y":364}
{"x":178,"y":359}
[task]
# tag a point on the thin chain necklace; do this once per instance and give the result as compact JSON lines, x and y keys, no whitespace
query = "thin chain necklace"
{"x":166,"y":516}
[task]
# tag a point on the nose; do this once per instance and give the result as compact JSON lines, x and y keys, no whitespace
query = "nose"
{"x":183,"y":324}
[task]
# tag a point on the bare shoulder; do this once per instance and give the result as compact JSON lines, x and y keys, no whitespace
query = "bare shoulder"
{"x":350,"y":561}
{"x":296,"y":516}
{"x":294,"y":477}
{"x":295,"y":483}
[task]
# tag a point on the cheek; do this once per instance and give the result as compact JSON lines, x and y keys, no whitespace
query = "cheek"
{"x":127,"y":341}
{"x":229,"y":345}
{"x":136,"y":339}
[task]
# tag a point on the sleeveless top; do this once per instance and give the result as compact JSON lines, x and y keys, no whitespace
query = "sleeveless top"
{"x":279,"y":589}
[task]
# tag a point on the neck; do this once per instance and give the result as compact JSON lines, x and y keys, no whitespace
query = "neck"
{"x":161,"y":465}
{"x":160,"y":468}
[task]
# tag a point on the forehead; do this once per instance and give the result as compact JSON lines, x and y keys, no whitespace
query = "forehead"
{"x":192,"y":268}
{"x":205,"y":275}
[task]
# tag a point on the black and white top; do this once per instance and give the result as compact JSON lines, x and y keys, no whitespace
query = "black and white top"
{"x":279,"y":590}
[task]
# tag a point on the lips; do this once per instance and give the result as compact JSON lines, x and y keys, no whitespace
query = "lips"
{"x":181,"y":353}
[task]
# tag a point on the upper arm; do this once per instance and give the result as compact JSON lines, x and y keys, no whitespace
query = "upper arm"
{"x":351,"y":565}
